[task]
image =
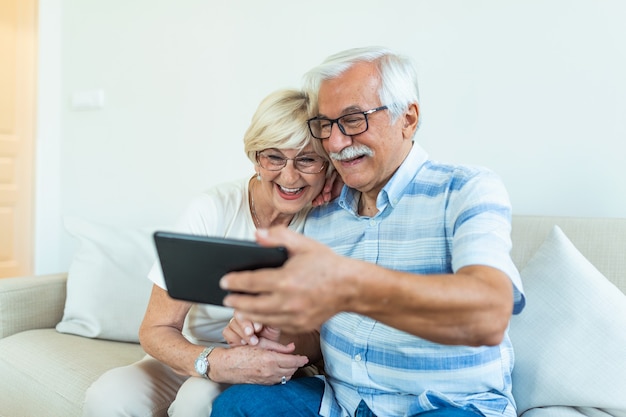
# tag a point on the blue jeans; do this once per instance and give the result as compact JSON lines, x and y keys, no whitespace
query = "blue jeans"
{"x":299,"y":397}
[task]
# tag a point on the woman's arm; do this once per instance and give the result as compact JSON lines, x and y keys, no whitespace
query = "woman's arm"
{"x":161,"y":337}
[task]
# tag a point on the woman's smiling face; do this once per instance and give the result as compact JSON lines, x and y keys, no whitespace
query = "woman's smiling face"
{"x":289,"y":190}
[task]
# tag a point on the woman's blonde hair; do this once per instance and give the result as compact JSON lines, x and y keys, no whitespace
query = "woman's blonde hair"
{"x":280,"y":122}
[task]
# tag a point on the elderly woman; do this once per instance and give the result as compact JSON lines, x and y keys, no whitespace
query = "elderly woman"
{"x":188,"y":362}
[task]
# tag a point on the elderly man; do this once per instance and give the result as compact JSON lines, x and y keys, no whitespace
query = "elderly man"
{"x":406,"y":275}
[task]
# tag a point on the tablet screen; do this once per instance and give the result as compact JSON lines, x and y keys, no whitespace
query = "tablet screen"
{"x":193,"y":265}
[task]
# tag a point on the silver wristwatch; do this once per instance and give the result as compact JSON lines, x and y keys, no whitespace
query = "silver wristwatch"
{"x":202,"y":362}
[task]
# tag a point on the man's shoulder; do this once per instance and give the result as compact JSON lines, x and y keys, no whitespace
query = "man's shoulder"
{"x":441,"y":174}
{"x":435,"y":168}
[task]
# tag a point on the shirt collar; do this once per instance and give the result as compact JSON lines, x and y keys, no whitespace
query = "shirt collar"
{"x":393,"y":190}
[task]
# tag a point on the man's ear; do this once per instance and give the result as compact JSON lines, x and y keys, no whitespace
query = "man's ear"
{"x":411,"y":119}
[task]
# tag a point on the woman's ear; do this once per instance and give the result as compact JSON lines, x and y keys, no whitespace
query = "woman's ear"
{"x":411,"y":119}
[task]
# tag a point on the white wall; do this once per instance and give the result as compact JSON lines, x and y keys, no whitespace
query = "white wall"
{"x":533,"y":89}
{"x":48,"y":229}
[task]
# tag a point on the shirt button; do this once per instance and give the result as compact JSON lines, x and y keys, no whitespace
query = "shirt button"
{"x":372,"y":222}
{"x":357,"y":357}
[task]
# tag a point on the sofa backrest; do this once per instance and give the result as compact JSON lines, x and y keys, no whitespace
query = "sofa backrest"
{"x":601,"y":240}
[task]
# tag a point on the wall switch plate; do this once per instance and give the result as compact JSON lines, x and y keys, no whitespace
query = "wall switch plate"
{"x":88,"y":100}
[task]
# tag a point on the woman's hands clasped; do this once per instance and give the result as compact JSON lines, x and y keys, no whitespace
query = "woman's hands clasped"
{"x":256,"y":356}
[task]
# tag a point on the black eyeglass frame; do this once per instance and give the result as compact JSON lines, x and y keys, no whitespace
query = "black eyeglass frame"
{"x":341,"y":128}
{"x":295,"y":165}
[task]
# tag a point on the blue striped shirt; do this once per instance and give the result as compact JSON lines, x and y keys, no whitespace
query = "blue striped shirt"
{"x":432,"y":219}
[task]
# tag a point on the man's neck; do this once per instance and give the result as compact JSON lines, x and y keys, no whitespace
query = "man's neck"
{"x":367,"y":205}
{"x":367,"y":200}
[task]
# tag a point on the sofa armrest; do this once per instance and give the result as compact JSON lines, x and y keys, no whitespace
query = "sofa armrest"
{"x":33,"y":302}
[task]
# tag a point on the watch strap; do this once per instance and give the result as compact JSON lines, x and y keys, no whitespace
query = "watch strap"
{"x":205,"y":357}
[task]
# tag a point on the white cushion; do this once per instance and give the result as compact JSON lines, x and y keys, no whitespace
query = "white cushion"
{"x":561,"y":411}
{"x":107,"y":284}
{"x":570,"y":340}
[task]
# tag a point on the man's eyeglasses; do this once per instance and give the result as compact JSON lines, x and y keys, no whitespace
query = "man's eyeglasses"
{"x":349,"y":124}
{"x":275,"y":161}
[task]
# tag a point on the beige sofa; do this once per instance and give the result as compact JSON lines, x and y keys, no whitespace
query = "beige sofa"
{"x":45,"y":373}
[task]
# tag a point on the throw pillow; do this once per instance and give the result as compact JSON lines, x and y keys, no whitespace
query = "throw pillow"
{"x":107,"y":285}
{"x":570,"y":340}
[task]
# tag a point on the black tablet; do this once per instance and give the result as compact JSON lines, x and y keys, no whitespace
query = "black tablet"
{"x":193,"y":265}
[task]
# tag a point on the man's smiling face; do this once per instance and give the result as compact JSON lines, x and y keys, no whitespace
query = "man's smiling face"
{"x":367,"y":160}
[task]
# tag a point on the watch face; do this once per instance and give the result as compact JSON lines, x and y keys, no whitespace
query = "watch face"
{"x":201,"y":366}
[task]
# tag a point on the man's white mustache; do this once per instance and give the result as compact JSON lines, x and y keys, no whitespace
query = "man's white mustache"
{"x":351,"y":152}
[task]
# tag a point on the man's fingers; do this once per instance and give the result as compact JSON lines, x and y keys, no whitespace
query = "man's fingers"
{"x":245,"y":284}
